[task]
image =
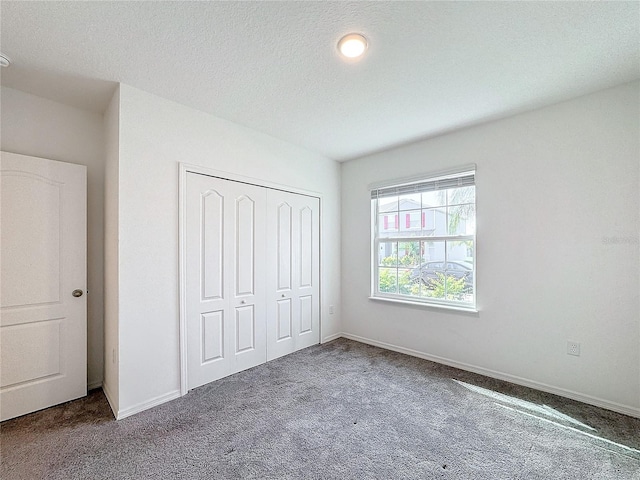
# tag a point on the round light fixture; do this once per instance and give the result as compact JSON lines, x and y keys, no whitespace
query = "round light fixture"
{"x":4,"y":60}
{"x":352,"y":45}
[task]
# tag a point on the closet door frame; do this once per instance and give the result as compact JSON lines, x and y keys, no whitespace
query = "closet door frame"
{"x":184,"y":169}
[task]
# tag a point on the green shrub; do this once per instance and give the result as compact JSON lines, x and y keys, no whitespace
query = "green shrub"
{"x":387,"y":282}
{"x":454,"y":288}
{"x":389,"y":261}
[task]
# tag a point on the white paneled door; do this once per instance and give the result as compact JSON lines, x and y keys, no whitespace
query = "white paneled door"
{"x":225,"y":268}
{"x":293,"y":310}
{"x":251,"y":275}
{"x":43,"y":326}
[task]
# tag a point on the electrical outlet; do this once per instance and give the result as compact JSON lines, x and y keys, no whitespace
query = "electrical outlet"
{"x":573,"y":348}
{"x":330,"y":309}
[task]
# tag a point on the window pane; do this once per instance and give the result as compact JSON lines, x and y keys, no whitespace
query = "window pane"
{"x":461,"y":252}
{"x":435,"y":221}
{"x":405,"y":282}
{"x":432,"y":264}
{"x":410,"y":222}
{"x":462,"y":220}
{"x":428,"y":221}
{"x":434,"y":284}
{"x":388,"y":224}
{"x":469,"y":288}
{"x":409,"y":254}
{"x":433,"y":252}
{"x":388,"y":254}
{"x":409,"y":202}
{"x":461,"y":195}
{"x":436,"y":198}
{"x":470,"y":258}
{"x":455,"y":288}
{"x":387,"y":280}
{"x":459,"y":270}
{"x":388,"y":204}
{"x":419,"y":287}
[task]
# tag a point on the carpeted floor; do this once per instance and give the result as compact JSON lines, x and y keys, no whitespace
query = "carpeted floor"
{"x":342,"y":410}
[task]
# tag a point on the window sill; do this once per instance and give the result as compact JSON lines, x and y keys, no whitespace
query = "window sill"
{"x":436,"y":306}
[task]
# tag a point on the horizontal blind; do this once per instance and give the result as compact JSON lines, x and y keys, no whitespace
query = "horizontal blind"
{"x":465,"y":179}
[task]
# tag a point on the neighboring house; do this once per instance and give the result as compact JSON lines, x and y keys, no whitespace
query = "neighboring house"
{"x":409,"y":217}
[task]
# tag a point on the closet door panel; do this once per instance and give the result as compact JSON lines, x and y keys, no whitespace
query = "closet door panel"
{"x":293,"y":304}
{"x":212,"y":245}
{"x":284,"y":327}
{"x":306,"y":315}
{"x":280,"y":274}
{"x":249,"y":250}
{"x":305,"y":252}
{"x":307,"y":261}
{"x":245,"y":329}
{"x":245,"y":246}
{"x":283,"y":246}
{"x":225,"y":270}
{"x":212,"y":336}
{"x":206,"y":224}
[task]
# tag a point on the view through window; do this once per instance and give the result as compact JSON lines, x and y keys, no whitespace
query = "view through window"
{"x":424,"y":240}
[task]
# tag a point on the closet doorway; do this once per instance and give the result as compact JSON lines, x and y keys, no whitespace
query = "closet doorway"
{"x":250,"y":275}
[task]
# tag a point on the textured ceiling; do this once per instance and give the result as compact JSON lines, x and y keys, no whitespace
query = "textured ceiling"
{"x":431,"y":67}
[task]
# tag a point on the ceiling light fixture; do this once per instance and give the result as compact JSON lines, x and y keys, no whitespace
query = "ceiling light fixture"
{"x":352,"y":45}
{"x":4,"y":60}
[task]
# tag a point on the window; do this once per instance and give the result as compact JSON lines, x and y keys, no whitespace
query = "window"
{"x":429,"y":255}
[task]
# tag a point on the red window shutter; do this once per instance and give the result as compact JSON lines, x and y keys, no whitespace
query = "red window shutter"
{"x":386,"y":222}
{"x":424,"y":219}
{"x":407,"y":220}
{"x":396,"y":221}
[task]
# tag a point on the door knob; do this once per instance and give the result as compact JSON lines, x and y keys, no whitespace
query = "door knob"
{"x":283,"y":295}
{"x":243,"y":302}
{"x":77,"y":293}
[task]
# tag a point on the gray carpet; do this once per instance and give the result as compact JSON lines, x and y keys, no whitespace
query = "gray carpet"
{"x":340,"y":410}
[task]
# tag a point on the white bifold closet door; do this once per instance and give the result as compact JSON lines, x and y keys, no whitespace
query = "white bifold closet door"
{"x":293,"y":313}
{"x":252,"y":274}
{"x":225,"y":267}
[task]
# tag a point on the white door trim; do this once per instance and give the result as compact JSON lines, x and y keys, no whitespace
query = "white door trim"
{"x":184,"y":169}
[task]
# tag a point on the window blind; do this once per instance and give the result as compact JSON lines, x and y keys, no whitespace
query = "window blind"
{"x":464,"y":179}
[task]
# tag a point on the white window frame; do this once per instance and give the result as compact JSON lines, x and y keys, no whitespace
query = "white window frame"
{"x":446,"y":177}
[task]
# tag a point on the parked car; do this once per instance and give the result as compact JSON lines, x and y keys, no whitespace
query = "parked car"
{"x":453,"y":268}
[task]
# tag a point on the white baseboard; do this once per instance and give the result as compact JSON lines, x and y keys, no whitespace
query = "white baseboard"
{"x":110,"y":399}
{"x":332,"y":337}
{"x":598,"y":402}
{"x":154,"y":402}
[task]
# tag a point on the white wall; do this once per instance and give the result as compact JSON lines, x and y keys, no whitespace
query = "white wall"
{"x":156,"y":134}
{"x":111,"y":245}
{"x":558,"y":251}
{"x":39,"y":127}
